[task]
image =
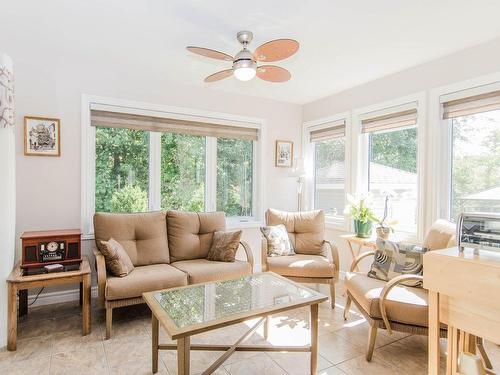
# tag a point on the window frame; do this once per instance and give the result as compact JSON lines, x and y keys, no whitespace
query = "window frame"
{"x":88,"y":156}
{"x":441,"y":135}
{"x":419,"y":102}
{"x":332,"y":221}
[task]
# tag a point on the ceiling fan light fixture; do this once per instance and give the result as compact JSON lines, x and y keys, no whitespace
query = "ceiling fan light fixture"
{"x":244,"y":70}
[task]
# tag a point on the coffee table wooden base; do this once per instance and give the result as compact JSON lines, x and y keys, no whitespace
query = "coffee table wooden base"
{"x":184,"y":347}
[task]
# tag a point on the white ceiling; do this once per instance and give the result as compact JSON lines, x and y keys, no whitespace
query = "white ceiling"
{"x":343,"y":43}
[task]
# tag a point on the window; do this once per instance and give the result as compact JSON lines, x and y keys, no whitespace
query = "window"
{"x":235,"y":176}
{"x":475,"y":163}
{"x":329,"y":176}
{"x":328,"y":143}
{"x":182,"y":172}
{"x":473,"y":125}
{"x":121,"y":170}
{"x":392,"y":140}
{"x":144,"y":162}
{"x":392,"y":170}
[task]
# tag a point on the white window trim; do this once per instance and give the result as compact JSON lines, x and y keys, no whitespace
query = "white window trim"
{"x":361,"y":149}
{"x":440,"y":137}
{"x":135,"y":107}
{"x":339,"y":221}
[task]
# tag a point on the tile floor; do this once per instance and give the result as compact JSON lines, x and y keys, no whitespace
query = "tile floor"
{"x":49,"y":342}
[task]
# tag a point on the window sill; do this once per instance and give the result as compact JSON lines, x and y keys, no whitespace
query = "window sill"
{"x":243,"y":225}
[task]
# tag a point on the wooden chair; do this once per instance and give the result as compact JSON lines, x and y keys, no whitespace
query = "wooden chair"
{"x":391,"y":305}
{"x":311,"y":263}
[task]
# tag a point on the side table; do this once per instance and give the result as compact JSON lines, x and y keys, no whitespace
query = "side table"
{"x":357,"y":243}
{"x":16,"y":282}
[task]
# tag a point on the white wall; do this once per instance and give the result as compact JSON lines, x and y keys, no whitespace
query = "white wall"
{"x":48,"y":189}
{"x":7,"y":212}
{"x":471,"y":63}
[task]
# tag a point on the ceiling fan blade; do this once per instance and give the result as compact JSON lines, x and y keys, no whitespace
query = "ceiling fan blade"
{"x":211,"y":53}
{"x":276,"y":50}
{"x":273,"y":73}
{"x":219,"y":75}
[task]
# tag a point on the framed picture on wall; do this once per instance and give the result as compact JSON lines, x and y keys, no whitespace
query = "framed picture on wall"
{"x":284,"y":153}
{"x":42,"y":136}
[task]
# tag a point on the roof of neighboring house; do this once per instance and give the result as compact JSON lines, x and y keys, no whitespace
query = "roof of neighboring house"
{"x":492,"y":194}
{"x":379,"y":174}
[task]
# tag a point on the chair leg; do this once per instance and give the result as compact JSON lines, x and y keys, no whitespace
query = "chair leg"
{"x":371,"y":342}
{"x":332,"y":293}
{"x":347,"y":306}
{"x":109,"y":322}
{"x":482,"y":351}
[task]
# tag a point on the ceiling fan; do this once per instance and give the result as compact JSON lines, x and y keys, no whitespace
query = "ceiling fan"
{"x":245,"y":62}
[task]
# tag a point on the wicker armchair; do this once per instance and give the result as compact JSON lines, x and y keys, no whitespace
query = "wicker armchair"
{"x":391,"y":305}
{"x":316,"y":260}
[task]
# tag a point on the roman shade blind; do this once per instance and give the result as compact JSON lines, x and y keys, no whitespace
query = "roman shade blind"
{"x":388,"y":121}
{"x":110,"y":119}
{"x":471,"y":105}
{"x":335,"y":129}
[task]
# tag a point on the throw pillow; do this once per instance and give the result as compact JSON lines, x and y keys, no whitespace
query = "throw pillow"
{"x":224,"y":246}
{"x":117,"y":260}
{"x":397,"y":258}
{"x":278,"y":242}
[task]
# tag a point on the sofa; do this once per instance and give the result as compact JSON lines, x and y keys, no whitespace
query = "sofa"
{"x":315,"y":261}
{"x":167,"y":249}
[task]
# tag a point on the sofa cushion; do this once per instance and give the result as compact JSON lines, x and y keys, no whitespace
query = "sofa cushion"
{"x":144,"y":279}
{"x":301,"y":265}
{"x":204,"y":270}
{"x":190,"y":234}
{"x":224,"y":246}
{"x":406,"y":305}
{"x":117,"y":260}
{"x":306,"y":229}
{"x":142,"y":235}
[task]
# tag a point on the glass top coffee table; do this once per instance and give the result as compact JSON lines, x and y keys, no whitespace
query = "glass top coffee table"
{"x":193,"y":309}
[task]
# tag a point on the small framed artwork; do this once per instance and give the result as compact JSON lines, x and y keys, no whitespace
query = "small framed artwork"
{"x":284,"y":153}
{"x":42,"y":136}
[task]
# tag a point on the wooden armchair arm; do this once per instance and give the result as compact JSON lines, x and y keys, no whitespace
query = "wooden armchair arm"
{"x":387,"y":288}
{"x":356,"y":260}
{"x":100,"y":266}
{"x":263,"y":254}
{"x":248,"y":252}
{"x":335,"y":257}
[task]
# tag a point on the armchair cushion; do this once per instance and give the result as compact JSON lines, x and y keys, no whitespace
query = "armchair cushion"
{"x":306,"y":229}
{"x":394,"y":259}
{"x":278,"y":242}
{"x":302,"y":265}
{"x":441,"y":235}
{"x":405,"y":305}
{"x":144,"y":279}
{"x":204,"y":270}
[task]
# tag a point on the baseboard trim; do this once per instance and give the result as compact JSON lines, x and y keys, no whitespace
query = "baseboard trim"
{"x":50,"y":298}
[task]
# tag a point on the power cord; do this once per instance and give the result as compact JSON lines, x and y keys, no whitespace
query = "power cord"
{"x":41,"y":290}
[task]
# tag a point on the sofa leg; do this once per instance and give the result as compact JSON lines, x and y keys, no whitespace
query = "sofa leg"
{"x":371,"y":342}
{"x":347,"y":306}
{"x":332,"y":293}
{"x":109,"y":322}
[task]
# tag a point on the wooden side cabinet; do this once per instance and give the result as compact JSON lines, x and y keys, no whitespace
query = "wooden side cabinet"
{"x":17,"y":282}
{"x":464,"y":290}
